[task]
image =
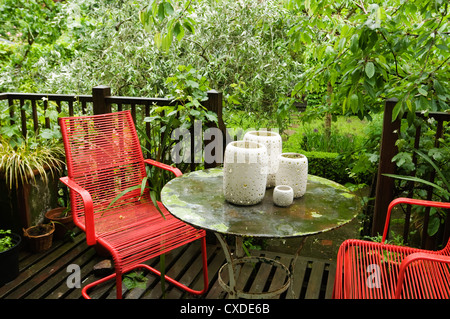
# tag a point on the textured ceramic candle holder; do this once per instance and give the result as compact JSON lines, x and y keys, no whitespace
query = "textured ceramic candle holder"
{"x":283,"y":195}
{"x":273,"y":143}
{"x":293,"y":171}
{"x":245,"y":172}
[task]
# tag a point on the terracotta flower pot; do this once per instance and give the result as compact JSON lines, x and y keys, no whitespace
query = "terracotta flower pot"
{"x":63,"y":224}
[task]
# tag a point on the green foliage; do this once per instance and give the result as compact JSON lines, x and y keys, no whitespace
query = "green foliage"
{"x":5,"y":240}
{"x":169,"y":22}
{"x":240,"y":47}
{"x":190,"y":88}
{"x":35,"y":43}
{"x":20,"y":161}
{"x":369,"y":52}
{"x":328,"y":165}
{"x":135,"y":280}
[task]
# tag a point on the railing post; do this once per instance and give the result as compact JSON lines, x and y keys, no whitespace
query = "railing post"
{"x":385,"y":185}
{"x":99,"y":102}
{"x":215,"y":104}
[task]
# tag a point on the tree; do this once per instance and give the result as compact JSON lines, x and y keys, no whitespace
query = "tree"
{"x":369,"y":52}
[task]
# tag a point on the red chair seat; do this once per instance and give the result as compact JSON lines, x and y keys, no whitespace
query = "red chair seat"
{"x":142,"y":233}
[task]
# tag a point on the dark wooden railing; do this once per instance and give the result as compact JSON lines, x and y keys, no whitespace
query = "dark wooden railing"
{"x":30,"y":114}
{"x":385,"y":186}
{"x":101,"y":101}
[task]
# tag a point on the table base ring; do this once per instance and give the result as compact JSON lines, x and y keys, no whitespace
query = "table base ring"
{"x":263,"y":295}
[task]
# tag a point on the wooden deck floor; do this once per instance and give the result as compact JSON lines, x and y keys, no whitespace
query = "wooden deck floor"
{"x":44,"y":275}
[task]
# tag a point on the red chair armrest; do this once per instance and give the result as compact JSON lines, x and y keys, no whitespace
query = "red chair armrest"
{"x":412,"y":258}
{"x":88,"y":208}
{"x":410,"y":201}
{"x":172,"y":169}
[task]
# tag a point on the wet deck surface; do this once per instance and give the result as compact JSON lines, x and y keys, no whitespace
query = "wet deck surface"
{"x":44,"y":275}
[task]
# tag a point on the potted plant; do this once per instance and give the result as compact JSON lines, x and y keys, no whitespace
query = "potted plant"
{"x":62,"y":218}
{"x":9,"y":256}
{"x":39,"y":237}
{"x":29,"y":174}
{"x":62,"y":215}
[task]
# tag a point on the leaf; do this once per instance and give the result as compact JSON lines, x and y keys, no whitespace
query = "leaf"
{"x":158,"y":40}
{"x":369,"y":69}
{"x":354,"y":102}
{"x":143,"y":185}
{"x":188,"y":26}
{"x":443,"y":47}
{"x":166,"y":42}
{"x":438,"y":171}
{"x":155,"y":202}
{"x":398,"y":110}
{"x":168,"y":9}
{"x":422,"y":91}
{"x":354,"y":43}
{"x":178,"y":31}
{"x":135,"y":280}
{"x":129,"y":189}
{"x":433,"y":224}
{"x":161,"y":14}
{"x":417,"y":180}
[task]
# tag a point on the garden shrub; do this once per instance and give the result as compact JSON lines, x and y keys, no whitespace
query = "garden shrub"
{"x":333,"y":166}
{"x":327,"y":165}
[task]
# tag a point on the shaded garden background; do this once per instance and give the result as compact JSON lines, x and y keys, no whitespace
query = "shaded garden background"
{"x":319,"y":71}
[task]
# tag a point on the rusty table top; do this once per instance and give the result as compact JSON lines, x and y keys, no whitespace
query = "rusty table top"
{"x":197,"y":199}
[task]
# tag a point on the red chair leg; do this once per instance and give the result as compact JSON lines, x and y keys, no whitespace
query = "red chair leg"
{"x":158,"y":273}
{"x":182,"y":286}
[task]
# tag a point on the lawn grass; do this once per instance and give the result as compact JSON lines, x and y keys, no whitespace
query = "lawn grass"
{"x":347,"y":134}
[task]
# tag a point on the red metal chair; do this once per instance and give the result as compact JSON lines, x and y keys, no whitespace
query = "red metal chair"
{"x":383,"y":271}
{"x":104,"y":158}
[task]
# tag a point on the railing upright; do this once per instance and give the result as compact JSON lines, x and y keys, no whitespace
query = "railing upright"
{"x":385,"y":186}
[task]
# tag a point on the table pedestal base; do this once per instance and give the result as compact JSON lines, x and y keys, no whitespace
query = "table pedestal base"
{"x":234,"y":265}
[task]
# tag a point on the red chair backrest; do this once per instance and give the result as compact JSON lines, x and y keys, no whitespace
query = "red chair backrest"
{"x":103,"y":156}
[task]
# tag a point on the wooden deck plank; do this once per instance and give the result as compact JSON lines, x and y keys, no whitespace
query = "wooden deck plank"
{"x":216,"y":259}
{"x":330,"y":281}
{"x":279,"y":276}
{"x":44,"y":275}
{"x":315,"y":280}
{"x":87,"y":262}
{"x":297,"y":279}
{"x":33,"y":274}
{"x":173,"y":270}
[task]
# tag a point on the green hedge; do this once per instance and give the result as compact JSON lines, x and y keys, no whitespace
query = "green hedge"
{"x":327,"y":165}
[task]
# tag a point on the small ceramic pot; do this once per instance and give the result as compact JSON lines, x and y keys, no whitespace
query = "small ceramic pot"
{"x":283,"y":195}
{"x":244,"y":172}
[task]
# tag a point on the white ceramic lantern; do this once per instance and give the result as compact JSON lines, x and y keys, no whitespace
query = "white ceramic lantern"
{"x":273,"y":143}
{"x":245,"y":172}
{"x":293,"y":171}
{"x":283,"y":195}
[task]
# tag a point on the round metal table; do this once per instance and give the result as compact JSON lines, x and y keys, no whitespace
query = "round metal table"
{"x":197,"y":199}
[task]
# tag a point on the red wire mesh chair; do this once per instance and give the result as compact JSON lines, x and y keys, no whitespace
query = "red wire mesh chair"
{"x":104,"y":158}
{"x":383,"y":271}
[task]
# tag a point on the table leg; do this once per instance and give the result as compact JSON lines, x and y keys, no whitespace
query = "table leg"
{"x":234,"y":265}
{"x":231,"y":268}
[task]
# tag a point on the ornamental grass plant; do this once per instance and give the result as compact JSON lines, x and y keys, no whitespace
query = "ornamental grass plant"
{"x":21,"y":162}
